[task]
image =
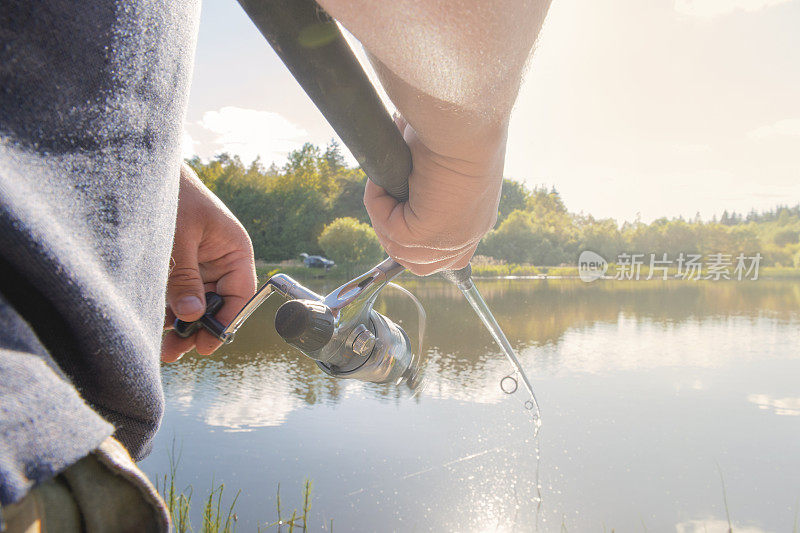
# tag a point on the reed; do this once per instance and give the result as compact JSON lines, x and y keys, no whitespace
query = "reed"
{"x":218,"y":516}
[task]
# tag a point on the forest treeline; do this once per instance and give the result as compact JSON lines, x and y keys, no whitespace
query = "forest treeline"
{"x":286,"y":210}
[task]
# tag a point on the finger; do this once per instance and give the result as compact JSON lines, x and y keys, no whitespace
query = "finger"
{"x":185,"y":293}
{"x":236,"y":286}
{"x":449,"y":264}
{"x":174,"y":347}
{"x":423,"y":256}
{"x":465,"y":259}
{"x":388,"y":215}
{"x":169,"y":318}
{"x":380,"y":204}
{"x":400,"y":224}
{"x":427,"y":269}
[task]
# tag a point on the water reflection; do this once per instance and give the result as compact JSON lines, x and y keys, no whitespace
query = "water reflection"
{"x":714,"y":524}
{"x":648,"y":392}
{"x":556,"y":325}
{"x":780,"y":406}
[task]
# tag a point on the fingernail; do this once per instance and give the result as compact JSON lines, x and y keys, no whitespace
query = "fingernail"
{"x":188,"y":305}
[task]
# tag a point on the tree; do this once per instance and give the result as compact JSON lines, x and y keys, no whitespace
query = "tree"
{"x":525,"y":238}
{"x":513,"y":196}
{"x":350,"y":242}
{"x":347,"y":200}
{"x":785,"y":236}
{"x":600,"y":236}
{"x":333,"y":156}
{"x":286,"y":209}
{"x":541,"y":201}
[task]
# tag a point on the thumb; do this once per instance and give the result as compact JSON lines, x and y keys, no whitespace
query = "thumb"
{"x":185,"y":290}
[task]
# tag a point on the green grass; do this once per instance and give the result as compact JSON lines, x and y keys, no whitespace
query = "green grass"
{"x":219,"y":516}
{"x":299,"y":519}
{"x":725,"y":499}
{"x":179,"y":505}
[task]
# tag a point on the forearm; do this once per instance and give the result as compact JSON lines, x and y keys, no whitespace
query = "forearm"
{"x":452,"y":68}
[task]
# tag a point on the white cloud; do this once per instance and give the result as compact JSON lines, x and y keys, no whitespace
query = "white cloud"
{"x":244,"y":409}
{"x":264,"y":396}
{"x":713,"y":8}
{"x":786,"y":127}
{"x":781,"y":406}
{"x":709,"y":525}
{"x":250,"y":133}
{"x":187,"y":146}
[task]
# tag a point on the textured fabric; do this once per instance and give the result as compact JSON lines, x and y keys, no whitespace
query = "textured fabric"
{"x":44,"y":424}
{"x":92,"y":99}
{"x":49,"y":506}
{"x":102,"y":492}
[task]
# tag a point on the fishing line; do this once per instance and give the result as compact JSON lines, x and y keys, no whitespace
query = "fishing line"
{"x":416,"y":379}
{"x":510,"y":383}
{"x":422,"y":317}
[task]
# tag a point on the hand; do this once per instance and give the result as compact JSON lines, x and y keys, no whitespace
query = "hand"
{"x":211,"y":252}
{"x":452,"y":204}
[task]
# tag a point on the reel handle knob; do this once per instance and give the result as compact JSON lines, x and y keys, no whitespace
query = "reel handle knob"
{"x":214,"y":303}
{"x":305,"y":324}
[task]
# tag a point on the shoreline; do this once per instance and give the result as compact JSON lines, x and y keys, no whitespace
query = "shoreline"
{"x":512,"y":272}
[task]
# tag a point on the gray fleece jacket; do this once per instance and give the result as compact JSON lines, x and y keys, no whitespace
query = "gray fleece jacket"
{"x":92,"y":99}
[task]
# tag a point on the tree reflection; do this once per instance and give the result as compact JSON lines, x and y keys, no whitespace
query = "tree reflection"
{"x":258,"y":379}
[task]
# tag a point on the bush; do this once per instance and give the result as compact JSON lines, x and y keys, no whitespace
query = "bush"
{"x":525,"y":238}
{"x":350,"y":242}
{"x":786,"y":236}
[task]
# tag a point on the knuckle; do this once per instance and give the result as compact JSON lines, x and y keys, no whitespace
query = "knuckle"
{"x":423,"y":270}
{"x":243,"y":240}
{"x":391,"y":247}
{"x":247,"y":244}
{"x":184,"y":277}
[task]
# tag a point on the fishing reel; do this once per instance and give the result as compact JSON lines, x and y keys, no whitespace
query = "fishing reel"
{"x":340,"y":331}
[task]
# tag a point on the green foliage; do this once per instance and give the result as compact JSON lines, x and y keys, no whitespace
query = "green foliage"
{"x":601,"y":236}
{"x":284,"y":210}
{"x":177,"y":502}
{"x":522,"y":238}
{"x":348,"y":198}
{"x":213,"y":512}
{"x":514,"y":195}
{"x":785,"y":236}
{"x":544,"y":232}
{"x":350,"y":242}
{"x":545,"y":203}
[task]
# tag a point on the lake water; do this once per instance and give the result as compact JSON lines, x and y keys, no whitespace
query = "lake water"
{"x":659,"y":400}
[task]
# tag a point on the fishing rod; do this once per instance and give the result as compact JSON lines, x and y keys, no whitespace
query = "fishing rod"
{"x":341,"y":330}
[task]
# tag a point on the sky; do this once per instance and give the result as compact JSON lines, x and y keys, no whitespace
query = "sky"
{"x":629,"y":108}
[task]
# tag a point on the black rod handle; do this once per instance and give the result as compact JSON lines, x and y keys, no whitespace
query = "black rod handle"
{"x":309,"y":43}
